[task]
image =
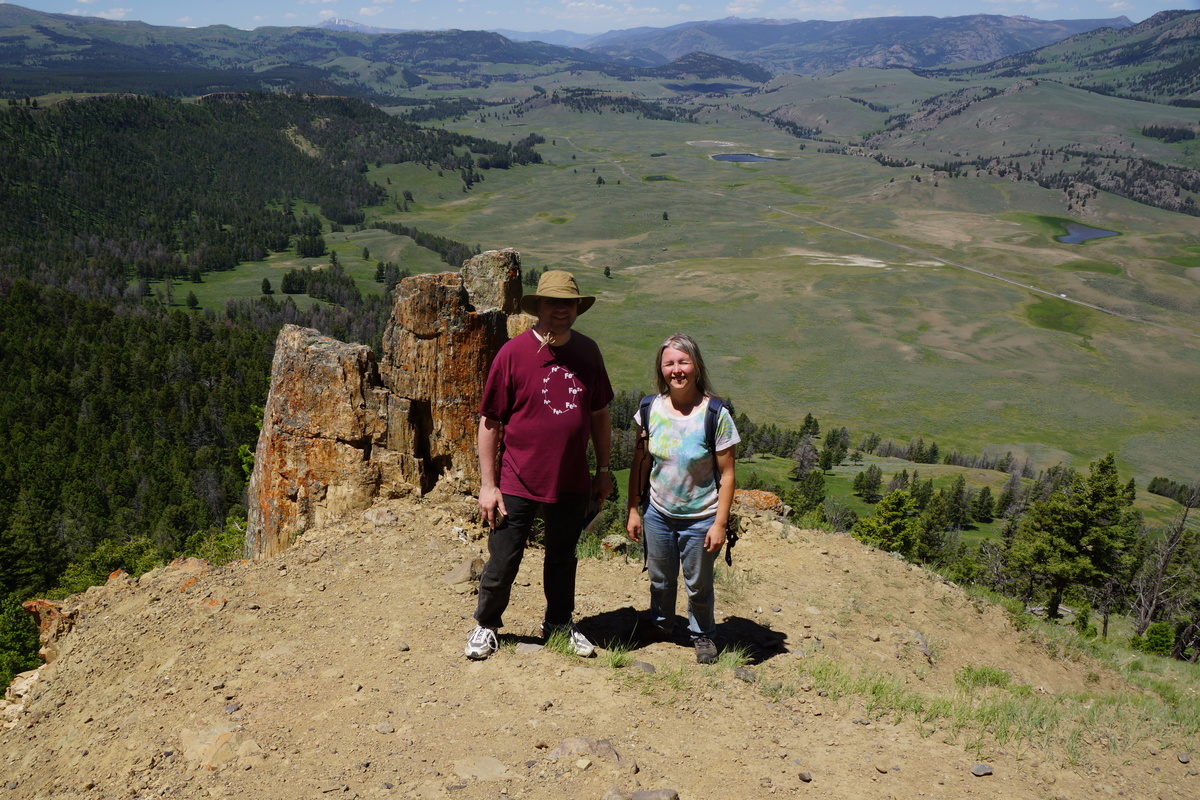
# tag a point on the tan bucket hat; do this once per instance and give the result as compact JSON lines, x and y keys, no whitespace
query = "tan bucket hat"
{"x":556,"y":284}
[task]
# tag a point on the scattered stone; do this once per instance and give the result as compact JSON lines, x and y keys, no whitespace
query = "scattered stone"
{"x":484,"y":768}
{"x":655,"y":794}
{"x":582,"y":747}
{"x":615,"y":543}
{"x":777,"y":609}
{"x":805,"y":777}
{"x":979,"y":770}
{"x":467,"y":571}
{"x":881,"y":769}
{"x":524,"y":648}
{"x":643,"y":666}
{"x":385,"y":727}
{"x":616,"y":793}
{"x":403,"y":647}
{"x":1184,"y":758}
{"x":380,"y":515}
{"x":741,"y":673}
{"x":583,"y":763}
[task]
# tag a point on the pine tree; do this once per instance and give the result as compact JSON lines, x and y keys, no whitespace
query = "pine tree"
{"x":891,"y":527}
{"x":1081,"y":535}
{"x":984,"y":507}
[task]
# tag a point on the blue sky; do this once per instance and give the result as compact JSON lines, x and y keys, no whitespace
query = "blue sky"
{"x":582,"y":16}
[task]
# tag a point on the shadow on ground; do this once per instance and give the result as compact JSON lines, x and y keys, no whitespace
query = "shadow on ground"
{"x":629,"y":628}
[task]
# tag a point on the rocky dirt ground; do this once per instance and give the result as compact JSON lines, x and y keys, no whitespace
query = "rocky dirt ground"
{"x":336,"y":670}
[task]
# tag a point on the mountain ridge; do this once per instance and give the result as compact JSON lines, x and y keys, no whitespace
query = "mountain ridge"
{"x":59,"y":52}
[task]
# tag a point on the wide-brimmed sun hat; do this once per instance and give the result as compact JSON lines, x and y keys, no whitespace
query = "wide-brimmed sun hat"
{"x":556,"y":284}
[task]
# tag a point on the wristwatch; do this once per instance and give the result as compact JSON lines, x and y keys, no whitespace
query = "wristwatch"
{"x":602,"y":469}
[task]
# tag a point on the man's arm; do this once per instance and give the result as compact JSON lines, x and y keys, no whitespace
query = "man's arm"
{"x":602,"y":484}
{"x":491,"y":502}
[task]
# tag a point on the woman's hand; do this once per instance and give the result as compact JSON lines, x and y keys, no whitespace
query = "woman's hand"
{"x":714,"y":540}
{"x":633,"y":526}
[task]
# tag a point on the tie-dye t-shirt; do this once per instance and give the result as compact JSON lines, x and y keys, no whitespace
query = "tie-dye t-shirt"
{"x":683,"y":481}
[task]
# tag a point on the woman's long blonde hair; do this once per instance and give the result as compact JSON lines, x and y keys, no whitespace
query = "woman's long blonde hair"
{"x":687,"y":345}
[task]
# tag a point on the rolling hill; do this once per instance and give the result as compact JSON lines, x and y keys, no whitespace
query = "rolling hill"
{"x":818,"y":46}
{"x":1157,"y":60}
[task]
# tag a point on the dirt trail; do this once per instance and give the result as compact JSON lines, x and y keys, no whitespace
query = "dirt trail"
{"x":336,"y":670}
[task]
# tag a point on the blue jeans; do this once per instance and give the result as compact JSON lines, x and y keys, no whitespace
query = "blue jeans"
{"x":506,"y":546}
{"x":670,"y":543}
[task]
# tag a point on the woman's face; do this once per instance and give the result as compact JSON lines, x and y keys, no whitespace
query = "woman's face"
{"x":677,"y":369}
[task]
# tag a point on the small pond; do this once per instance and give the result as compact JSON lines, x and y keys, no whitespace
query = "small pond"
{"x":740,"y":157}
{"x":1078,"y":234}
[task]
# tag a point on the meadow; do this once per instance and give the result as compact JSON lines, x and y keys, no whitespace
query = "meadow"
{"x":827,"y":283}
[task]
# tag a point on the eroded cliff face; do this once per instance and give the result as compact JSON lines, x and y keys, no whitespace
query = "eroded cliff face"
{"x":342,"y":429}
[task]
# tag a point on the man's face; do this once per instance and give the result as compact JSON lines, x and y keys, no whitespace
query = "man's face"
{"x":557,"y":315}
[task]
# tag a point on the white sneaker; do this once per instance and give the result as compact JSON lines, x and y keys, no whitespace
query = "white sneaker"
{"x":481,"y":643}
{"x":579,"y":643}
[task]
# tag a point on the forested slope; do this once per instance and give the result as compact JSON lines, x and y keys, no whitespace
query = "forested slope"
{"x":127,"y":422}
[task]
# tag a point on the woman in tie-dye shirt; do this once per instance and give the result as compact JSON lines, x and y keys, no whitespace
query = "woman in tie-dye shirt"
{"x":690,"y":492}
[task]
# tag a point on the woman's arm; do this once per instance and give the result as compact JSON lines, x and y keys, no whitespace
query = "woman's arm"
{"x":714,"y":540}
{"x":641,"y":461}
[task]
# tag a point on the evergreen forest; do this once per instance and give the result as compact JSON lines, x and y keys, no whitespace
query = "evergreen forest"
{"x":130,"y":423}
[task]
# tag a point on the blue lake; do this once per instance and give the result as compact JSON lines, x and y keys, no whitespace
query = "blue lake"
{"x":1078,"y":234}
{"x":740,"y":157}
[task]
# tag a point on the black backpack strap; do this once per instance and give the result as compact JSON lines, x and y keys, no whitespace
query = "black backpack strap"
{"x":643,"y":413}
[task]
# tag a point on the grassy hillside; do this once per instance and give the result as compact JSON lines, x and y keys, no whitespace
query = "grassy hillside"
{"x":828,"y":283}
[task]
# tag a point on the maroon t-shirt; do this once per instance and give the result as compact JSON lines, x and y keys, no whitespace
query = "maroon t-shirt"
{"x":545,"y":400}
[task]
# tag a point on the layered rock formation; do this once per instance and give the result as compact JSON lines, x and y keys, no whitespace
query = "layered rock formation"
{"x":342,"y":429}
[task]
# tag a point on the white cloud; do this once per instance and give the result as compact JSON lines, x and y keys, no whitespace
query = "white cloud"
{"x":743,"y":8}
{"x":370,"y":11}
{"x":833,"y":10}
{"x":113,"y":13}
{"x":327,"y":14}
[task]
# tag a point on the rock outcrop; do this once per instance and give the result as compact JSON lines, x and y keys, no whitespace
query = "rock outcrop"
{"x":342,"y":429}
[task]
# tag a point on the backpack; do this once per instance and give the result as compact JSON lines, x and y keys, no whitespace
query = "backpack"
{"x":712,"y":414}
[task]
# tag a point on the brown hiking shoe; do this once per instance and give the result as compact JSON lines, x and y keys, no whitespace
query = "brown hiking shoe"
{"x":706,"y":650}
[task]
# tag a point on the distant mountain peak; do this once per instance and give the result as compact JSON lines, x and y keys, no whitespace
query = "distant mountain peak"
{"x":339,"y":24}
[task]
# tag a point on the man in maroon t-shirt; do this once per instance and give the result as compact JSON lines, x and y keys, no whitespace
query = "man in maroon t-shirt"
{"x":547,"y":395}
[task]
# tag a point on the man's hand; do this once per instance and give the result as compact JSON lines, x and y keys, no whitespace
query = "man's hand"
{"x":602,"y":486}
{"x":491,"y":505}
{"x":491,"y":502}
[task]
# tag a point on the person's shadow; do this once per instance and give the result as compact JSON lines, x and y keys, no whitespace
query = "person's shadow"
{"x":628,"y":628}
